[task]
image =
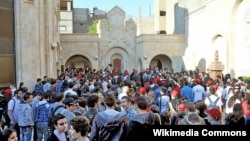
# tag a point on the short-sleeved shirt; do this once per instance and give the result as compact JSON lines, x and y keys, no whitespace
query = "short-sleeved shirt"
{"x":13,"y":106}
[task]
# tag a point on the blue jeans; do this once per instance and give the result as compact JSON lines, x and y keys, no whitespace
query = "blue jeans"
{"x":25,"y":133}
{"x":42,"y":130}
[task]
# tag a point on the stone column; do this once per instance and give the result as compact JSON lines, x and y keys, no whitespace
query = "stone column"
{"x":69,"y":6}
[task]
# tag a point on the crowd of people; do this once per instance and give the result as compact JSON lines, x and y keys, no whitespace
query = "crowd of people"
{"x":85,"y":104}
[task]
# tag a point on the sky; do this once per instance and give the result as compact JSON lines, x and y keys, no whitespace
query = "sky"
{"x":129,"y":6}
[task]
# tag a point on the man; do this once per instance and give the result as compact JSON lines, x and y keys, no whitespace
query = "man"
{"x":13,"y":105}
{"x":186,"y":91}
{"x":198,"y":91}
{"x":70,"y":104}
{"x":192,"y":118}
{"x":60,"y":125}
{"x":92,"y":107}
{"x":109,"y":124}
{"x":42,"y":117}
{"x":25,"y":118}
{"x":139,"y":125}
{"x":127,"y":105}
{"x":72,"y":86}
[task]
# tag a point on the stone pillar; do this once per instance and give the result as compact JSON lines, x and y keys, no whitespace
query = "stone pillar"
{"x":69,"y":6}
{"x":216,"y":67}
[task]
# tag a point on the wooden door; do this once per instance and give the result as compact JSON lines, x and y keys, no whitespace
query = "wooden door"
{"x":117,"y":64}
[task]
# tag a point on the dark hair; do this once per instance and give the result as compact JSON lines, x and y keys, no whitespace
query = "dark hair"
{"x":80,"y":124}
{"x":27,"y":96}
{"x":92,"y":100}
{"x":109,"y":100}
{"x":57,"y":117}
{"x":237,"y":112}
{"x":82,"y":102}
{"x":142,"y":103}
{"x":59,"y":97}
{"x":21,"y":84}
{"x":127,"y":98}
{"x":38,"y":79}
{"x":164,"y":90}
{"x":16,"y":91}
{"x":7,"y":132}
{"x":46,"y":95}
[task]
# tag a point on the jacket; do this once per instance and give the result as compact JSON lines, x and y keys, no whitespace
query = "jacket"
{"x":108,"y":127}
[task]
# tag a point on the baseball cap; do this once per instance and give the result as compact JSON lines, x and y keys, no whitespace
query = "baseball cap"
{"x":182,"y":107}
{"x":214,"y":112}
{"x":70,"y":101}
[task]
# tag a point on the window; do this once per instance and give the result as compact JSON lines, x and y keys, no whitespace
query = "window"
{"x":161,"y":32}
{"x":162,"y":13}
{"x":62,"y":28}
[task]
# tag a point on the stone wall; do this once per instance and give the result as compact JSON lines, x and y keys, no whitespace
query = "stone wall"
{"x":36,"y":28}
{"x":212,"y":25}
{"x":117,"y":39}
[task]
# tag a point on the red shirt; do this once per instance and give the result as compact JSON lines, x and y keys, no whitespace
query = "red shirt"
{"x":244,"y":106}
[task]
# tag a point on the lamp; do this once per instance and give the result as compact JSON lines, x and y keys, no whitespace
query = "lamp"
{"x":96,"y":57}
{"x":53,"y":44}
{"x":145,"y":57}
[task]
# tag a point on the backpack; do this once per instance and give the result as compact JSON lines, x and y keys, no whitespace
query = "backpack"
{"x":42,"y":112}
{"x":213,"y":104}
{"x":5,"y":119}
{"x":3,"y":102}
{"x":90,"y":116}
{"x":50,"y":117}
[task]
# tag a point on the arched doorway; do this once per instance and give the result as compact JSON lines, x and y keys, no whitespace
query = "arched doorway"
{"x":202,"y":65}
{"x":161,"y":62}
{"x":117,"y":59}
{"x":78,"y":61}
{"x":220,"y":44}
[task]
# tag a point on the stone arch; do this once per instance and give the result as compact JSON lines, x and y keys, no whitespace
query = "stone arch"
{"x":161,"y":61}
{"x":78,"y":53}
{"x":219,"y":43}
{"x":234,"y":11}
{"x":78,"y":61}
{"x":202,"y":65}
{"x":240,"y":36}
{"x":117,"y":53}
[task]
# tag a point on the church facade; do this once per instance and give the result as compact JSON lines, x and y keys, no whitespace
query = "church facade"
{"x":116,"y":43}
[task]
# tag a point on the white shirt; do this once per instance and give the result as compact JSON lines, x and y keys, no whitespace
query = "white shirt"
{"x":213,"y":98}
{"x":121,"y":95}
{"x":69,"y":91}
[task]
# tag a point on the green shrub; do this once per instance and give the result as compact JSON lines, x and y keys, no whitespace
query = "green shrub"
{"x":246,"y":79}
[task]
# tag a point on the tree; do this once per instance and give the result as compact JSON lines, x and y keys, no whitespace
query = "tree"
{"x":92,"y":29}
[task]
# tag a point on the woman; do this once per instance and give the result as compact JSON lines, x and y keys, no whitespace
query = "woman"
{"x":10,"y":135}
{"x":237,"y":117}
{"x":79,"y":128}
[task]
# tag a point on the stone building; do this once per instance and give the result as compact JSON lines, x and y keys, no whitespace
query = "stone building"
{"x":117,"y":43}
{"x":29,"y":41}
{"x":210,"y":25}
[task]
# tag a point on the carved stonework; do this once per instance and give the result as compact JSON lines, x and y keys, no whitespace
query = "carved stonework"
{"x":57,"y":11}
{"x":216,"y":67}
{"x":216,"y":56}
{"x":29,"y":1}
